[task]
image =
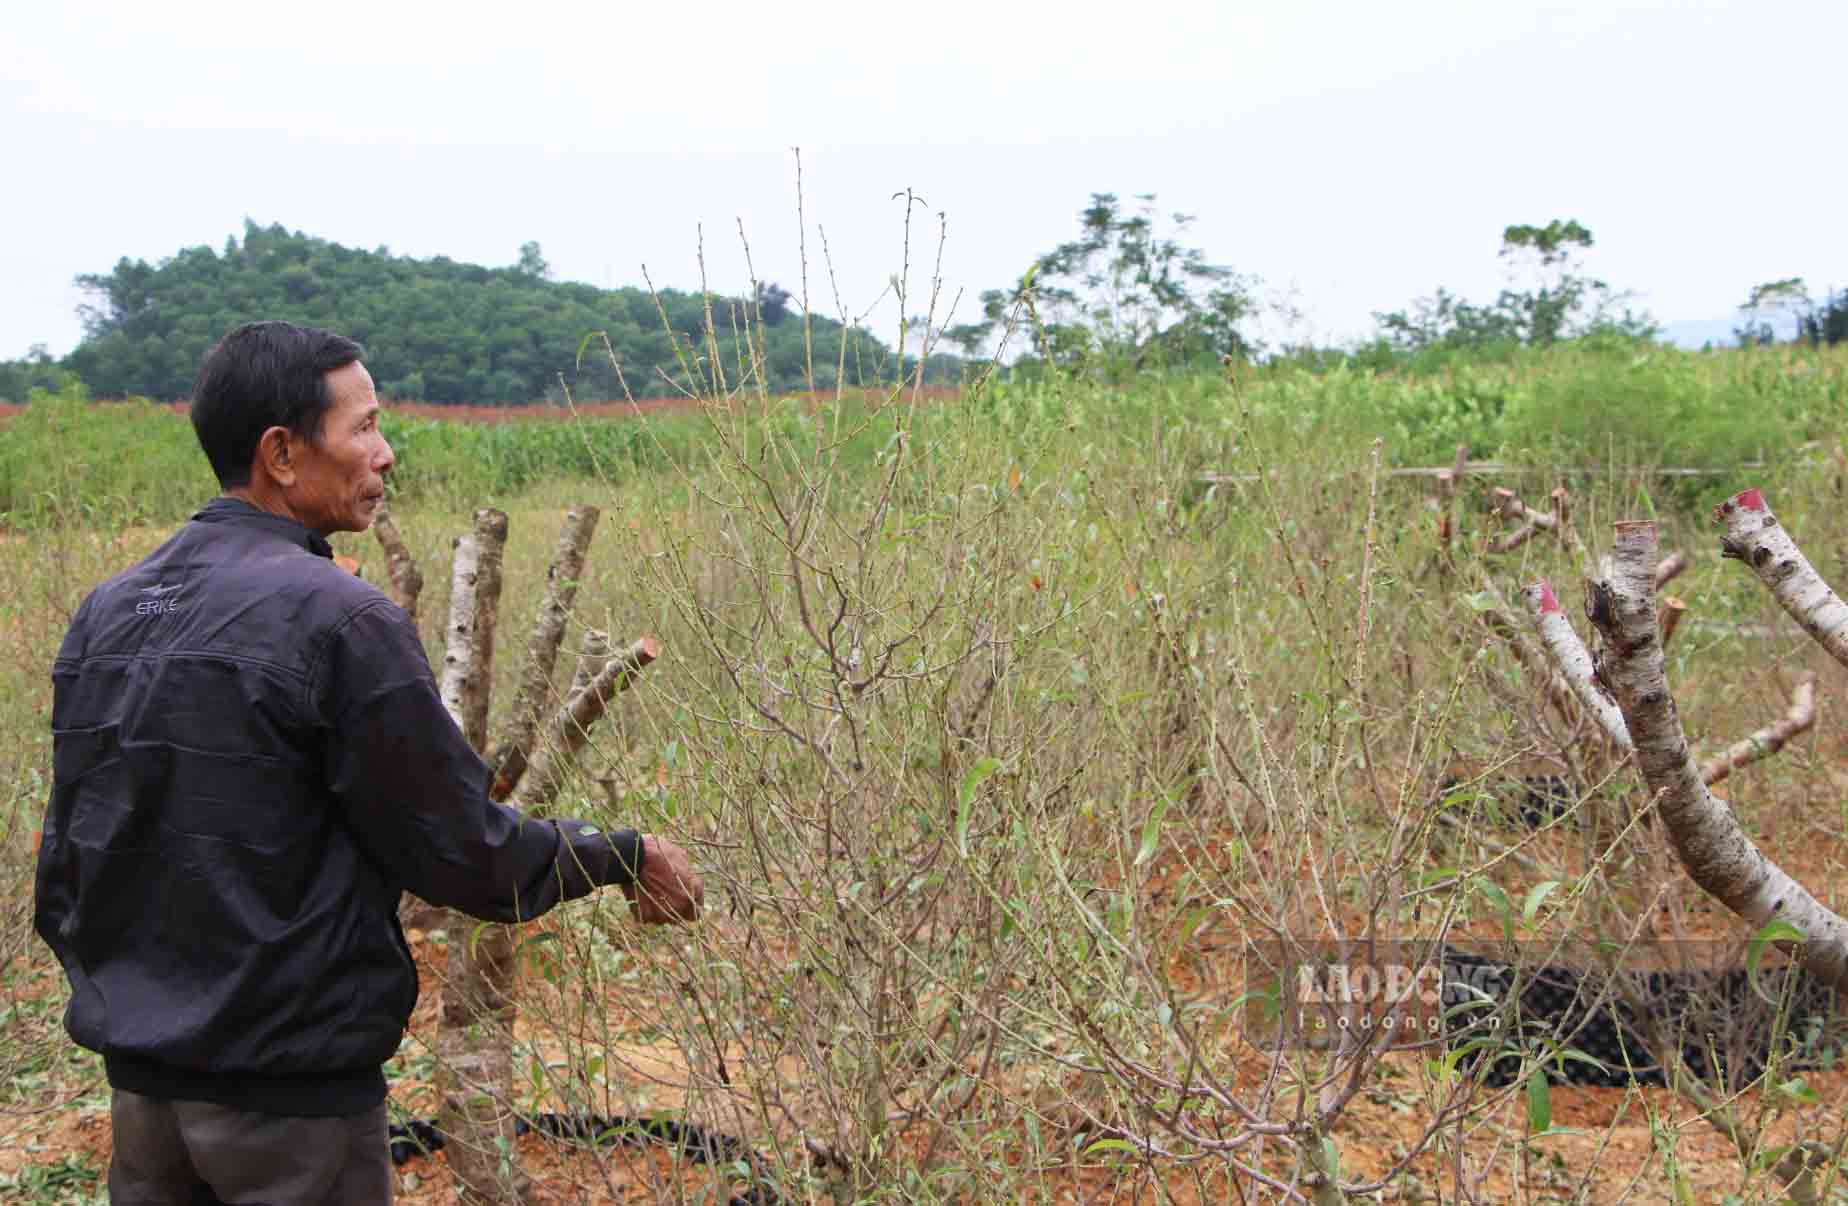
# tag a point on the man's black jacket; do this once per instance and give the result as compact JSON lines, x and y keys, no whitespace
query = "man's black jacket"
{"x":250,"y":763}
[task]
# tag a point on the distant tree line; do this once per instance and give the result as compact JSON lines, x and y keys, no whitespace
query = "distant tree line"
{"x":1559,"y":302}
{"x":1826,"y":323}
{"x":37,"y":369}
{"x":1818,"y":322}
{"x":435,"y":330}
{"x":1124,"y":297}
{"x":1128,"y":295}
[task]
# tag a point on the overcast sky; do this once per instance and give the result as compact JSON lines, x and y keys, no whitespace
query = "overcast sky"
{"x":1354,"y":155}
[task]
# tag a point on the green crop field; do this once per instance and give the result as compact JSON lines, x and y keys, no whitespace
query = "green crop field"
{"x":1012,"y":728}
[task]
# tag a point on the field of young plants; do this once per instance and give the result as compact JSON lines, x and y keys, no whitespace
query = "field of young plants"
{"x":1035,"y":742}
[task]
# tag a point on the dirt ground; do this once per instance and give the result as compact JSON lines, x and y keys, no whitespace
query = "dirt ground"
{"x":1608,"y":1144}
{"x":1613,"y":1123}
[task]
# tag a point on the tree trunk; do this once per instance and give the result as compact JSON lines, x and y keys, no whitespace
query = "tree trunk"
{"x":1703,"y":830}
{"x":475,"y":1042}
{"x":475,"y":1039}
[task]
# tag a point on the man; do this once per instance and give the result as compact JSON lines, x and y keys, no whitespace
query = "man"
{"x":250,"y":765}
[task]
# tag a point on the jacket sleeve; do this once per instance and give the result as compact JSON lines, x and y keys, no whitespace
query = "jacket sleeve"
{"x":415,"y":795}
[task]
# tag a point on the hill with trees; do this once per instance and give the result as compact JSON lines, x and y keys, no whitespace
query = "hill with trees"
{"x":435,"y":330}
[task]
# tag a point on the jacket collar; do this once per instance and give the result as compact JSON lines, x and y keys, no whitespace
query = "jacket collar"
{"x":235,"y":510}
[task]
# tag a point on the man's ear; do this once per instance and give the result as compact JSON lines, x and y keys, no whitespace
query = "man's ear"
{"x":275,"y":456}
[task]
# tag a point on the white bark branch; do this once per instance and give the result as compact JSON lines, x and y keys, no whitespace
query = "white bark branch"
{"x":474,"y":608}
{"x":474,"y":1041}
{"x":1754,"y":536}
{"x":1703,"y":830}
{"x":457,"y":685}
{"x":1574,"y":661}
{"x":1497,"y":621}
{"x":1770,"y":739}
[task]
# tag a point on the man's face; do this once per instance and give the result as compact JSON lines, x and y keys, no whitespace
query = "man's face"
{"x":340,"y":477}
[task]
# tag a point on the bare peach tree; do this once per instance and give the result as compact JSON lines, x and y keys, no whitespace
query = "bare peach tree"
{"x":1625,"y":686}
{"x":1705,"y":833}
{"x":475,"y":1041}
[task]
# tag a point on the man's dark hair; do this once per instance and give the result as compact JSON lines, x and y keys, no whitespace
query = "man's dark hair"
{"x":264,"y":375}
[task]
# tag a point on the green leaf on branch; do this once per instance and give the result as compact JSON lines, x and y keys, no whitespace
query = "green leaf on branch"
{"x":1536,"y":896}
{"x":965,"y":800}
{"x":1776,"y":931}
{"x":1151,"y":830}
{"x":1539,"y":1103}
{"x":1498,"y":899}
{"x":1109,"y":1145}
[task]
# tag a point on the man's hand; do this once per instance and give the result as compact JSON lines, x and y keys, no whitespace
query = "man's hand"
{"x":669,"y":889}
